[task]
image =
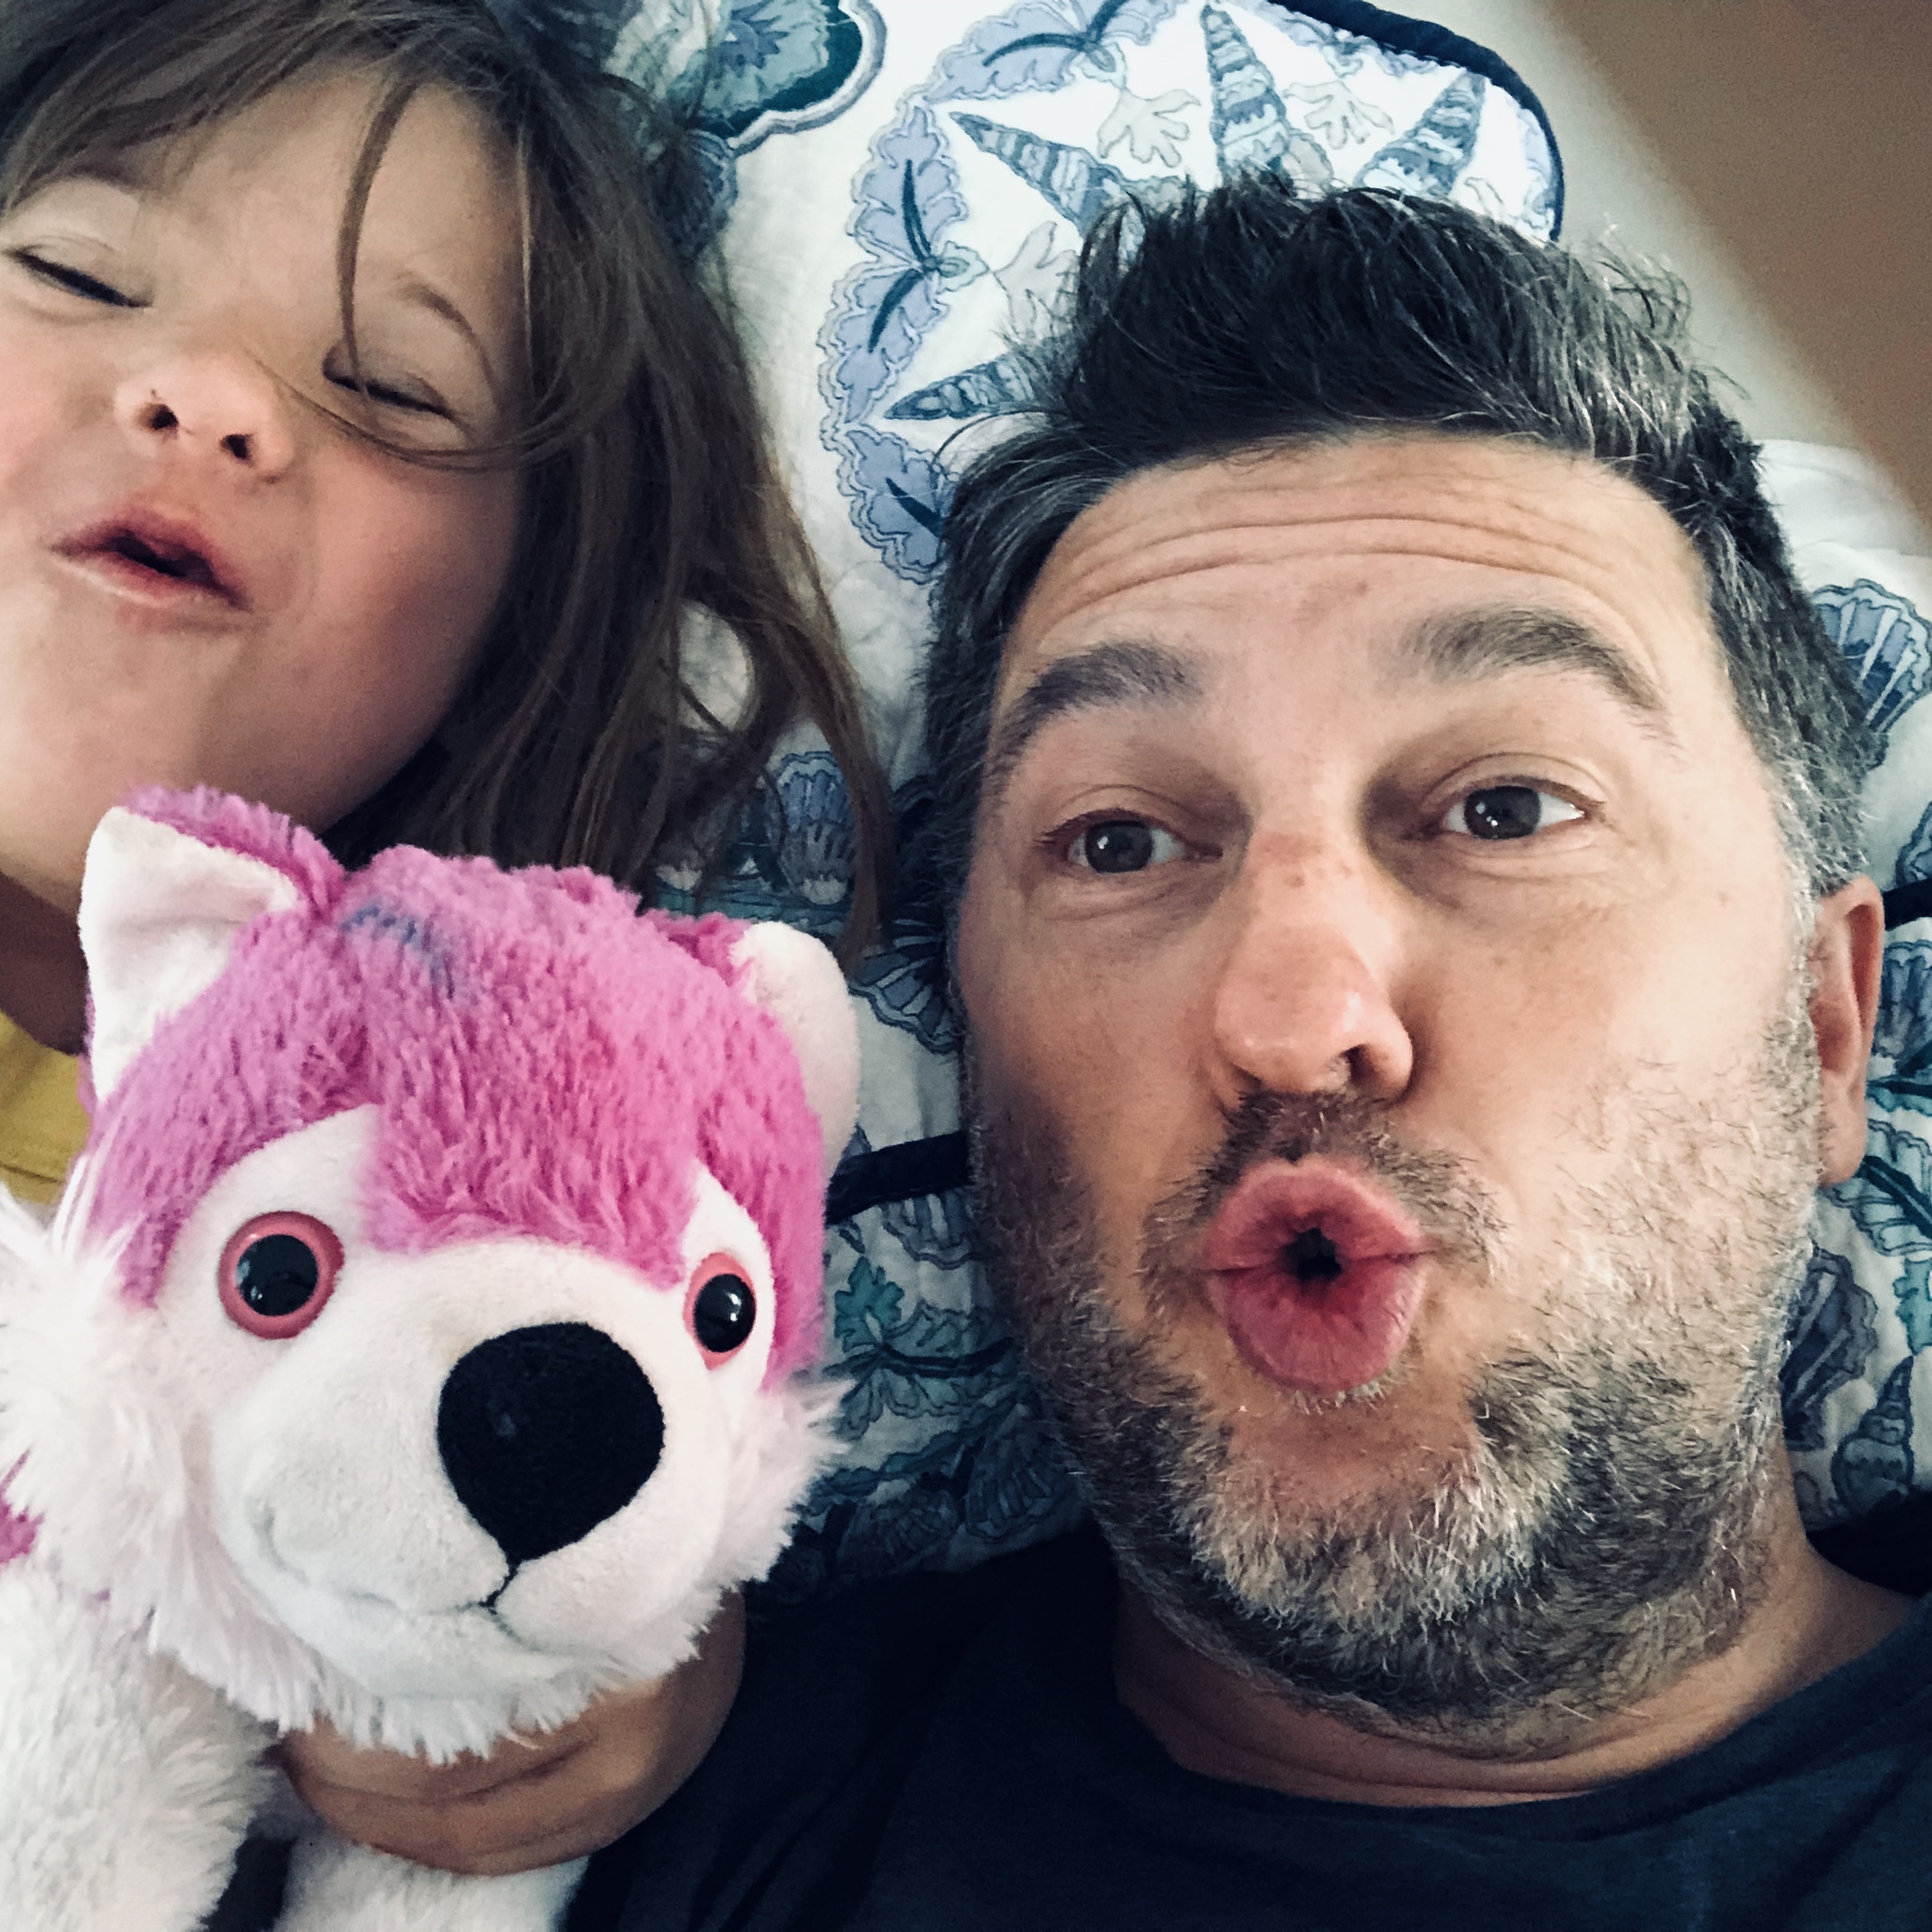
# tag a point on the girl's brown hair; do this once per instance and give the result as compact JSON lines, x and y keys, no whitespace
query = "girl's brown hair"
{"x":647,"y":486}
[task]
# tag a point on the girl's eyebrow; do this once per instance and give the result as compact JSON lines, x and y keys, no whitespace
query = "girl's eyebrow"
{"x":121,"y":173}
{"x":410,"y":288}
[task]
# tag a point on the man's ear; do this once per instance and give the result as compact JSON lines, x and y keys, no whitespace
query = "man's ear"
{"x":1847,"y":959}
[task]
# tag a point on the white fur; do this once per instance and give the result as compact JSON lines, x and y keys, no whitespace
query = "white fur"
{"x":797,"y":982}
{"x":126,"y":1785}
{"x":274,"y":1516}
{"x":337,"y":1887}
{"x":160,"y":915}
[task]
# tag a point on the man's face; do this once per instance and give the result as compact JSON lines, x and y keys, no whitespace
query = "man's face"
{"x":1398,"y":1109}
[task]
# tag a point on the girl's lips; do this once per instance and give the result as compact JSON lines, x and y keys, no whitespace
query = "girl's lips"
{"x":1315,"y":1274}
{"x":156,"y":556}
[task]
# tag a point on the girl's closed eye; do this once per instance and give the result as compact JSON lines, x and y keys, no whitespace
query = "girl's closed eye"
{"x":397,"y":391}
{"x":71,"y":280}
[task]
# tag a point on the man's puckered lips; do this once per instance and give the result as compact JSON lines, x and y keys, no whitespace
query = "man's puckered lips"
{"x":1314,"y":1271}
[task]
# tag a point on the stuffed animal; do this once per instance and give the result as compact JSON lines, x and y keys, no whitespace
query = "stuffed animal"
{"x":415,"y":1346}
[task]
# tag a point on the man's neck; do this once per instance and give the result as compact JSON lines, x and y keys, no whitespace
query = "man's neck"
{"x":44,"y":977}
{"x":1812,"y":1619}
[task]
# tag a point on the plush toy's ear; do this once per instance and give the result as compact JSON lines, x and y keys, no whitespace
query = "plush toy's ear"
{"x":160,"y":915}
{"x":797,"y":982}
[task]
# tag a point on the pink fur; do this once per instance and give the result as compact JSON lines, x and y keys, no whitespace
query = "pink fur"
{"x":233,"y":825}
{"x":17,"y":1531}
{"x":546,"y":1063}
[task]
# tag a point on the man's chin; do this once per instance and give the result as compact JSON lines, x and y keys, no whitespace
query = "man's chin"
{"x":1355,"y":1454}
{"x":1593,"y":1541}
{"x":1498,"y":1557}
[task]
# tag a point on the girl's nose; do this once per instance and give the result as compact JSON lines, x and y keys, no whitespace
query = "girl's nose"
{"x":218,"y":409}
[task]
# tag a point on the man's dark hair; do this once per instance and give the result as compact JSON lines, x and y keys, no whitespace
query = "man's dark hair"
{"x":1242,"y":318}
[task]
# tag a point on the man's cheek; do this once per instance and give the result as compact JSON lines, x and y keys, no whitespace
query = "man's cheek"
{"x":1037,"y":1018}
{"x":1038,"y":1060}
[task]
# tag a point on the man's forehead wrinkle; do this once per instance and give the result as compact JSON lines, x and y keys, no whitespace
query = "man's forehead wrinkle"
{"x":1123,"y":672}
{"x":1464,"y":645}
{"x":1477,"y":499}
{"x":1245,"y":532}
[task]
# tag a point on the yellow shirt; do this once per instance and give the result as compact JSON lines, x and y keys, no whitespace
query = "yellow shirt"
{"x":41,"y":1121}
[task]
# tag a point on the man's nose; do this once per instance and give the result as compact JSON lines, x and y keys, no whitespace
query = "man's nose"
{"x":1305,"y":1003}
{"x":218,"y":408}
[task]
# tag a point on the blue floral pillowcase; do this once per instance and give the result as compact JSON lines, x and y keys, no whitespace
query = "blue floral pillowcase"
{"x":1858,"y":1367}
{"x":900,"y":189}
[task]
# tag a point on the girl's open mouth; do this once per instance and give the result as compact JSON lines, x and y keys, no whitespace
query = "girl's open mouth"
{"x":154,"y":555}
{"x":1315,"y":1273}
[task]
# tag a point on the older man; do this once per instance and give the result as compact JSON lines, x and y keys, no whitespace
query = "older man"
{"x":1405,"y":843}
{"x":1417,"y":974}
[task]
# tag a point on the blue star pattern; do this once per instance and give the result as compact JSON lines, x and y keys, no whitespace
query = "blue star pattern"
{"x":976,"y":196}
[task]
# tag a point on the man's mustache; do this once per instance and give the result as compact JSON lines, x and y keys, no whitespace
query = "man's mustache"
{"x":1450,"y":1203}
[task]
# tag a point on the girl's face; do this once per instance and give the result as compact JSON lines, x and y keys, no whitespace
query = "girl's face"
{"x":203,"y":580}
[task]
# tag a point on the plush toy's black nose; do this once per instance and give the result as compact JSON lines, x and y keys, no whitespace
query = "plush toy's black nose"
{"x":545,"y":1432}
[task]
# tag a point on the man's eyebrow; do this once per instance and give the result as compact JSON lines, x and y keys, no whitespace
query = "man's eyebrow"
{"x":131,"y":172}
{"x":1107,"y":674}
{"x":1470,"y":644}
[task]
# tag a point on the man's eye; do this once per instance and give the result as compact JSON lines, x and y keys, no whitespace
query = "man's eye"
{"x":72,"y":281}
{"x":1124,"y":845}
{"x":1509,"y":811}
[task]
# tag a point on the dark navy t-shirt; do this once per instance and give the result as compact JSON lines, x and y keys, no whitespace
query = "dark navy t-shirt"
{"x":946,"y":1755}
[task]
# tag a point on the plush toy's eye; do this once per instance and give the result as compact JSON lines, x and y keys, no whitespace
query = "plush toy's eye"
{"x":276,"y":1271}
{"x":721,"y":1310}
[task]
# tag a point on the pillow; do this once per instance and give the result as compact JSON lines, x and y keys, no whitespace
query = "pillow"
{"x":1858,"y":1369}
{"x":903,"y":188}
{"x":900,"y":189}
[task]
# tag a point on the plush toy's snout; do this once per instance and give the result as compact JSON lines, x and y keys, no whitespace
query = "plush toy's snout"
{"x":545,"y":1432}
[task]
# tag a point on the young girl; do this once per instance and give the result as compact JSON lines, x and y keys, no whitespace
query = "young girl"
{"x":492,"y":445}
{"x":366,"y":448}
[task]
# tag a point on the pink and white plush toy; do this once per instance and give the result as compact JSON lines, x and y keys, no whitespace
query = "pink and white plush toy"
{"x":416,"y":1348}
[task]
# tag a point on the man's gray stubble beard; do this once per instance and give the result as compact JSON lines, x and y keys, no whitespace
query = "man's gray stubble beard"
{"x":1609,"y":1528}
